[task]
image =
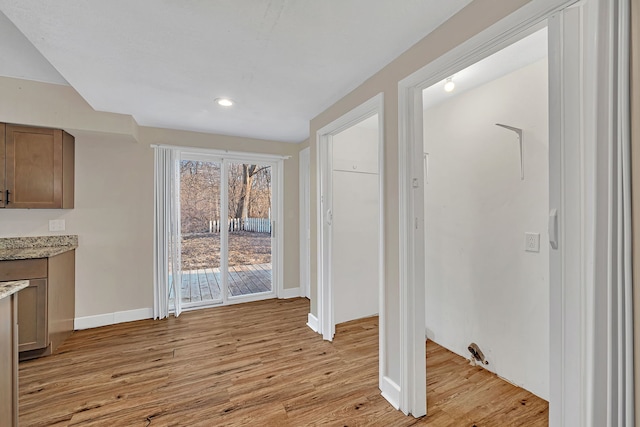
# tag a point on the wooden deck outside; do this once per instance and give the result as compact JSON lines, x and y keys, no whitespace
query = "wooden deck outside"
{"x":204,"y":284}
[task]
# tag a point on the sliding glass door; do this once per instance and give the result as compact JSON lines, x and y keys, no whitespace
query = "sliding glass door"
{"x":249,"y":268}
{"x":200,"y":222}
{"x":226,"y":240}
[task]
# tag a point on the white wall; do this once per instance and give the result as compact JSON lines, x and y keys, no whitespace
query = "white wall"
{"x":481,"y":286}
{"x":113,"y":218}
{"x":113,"y":214}
{"x":355,"y":234}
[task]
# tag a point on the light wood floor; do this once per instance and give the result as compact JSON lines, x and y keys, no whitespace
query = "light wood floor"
{"x":254,"y":364}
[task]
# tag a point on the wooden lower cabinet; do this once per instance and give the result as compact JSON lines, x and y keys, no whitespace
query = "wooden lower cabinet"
{"x":32,"y":315}
{"x":9,"y":361}
{"x":46,"y":308}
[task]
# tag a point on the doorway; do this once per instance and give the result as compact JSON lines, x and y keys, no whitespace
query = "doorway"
{"x":237,"y":248}
{"x":486,"y":204}
{"x":326,"y":320}
{"x":227,"y":247}
{"x":586,"y":83}
{"x":355,"y":210}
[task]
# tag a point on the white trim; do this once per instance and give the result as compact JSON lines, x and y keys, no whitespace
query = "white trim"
{"x":369,"y":108}
{"x":382,"y":317}
{"x":489,"y":41}
{"x":98,"y":320}
{"x":277,"y":246}
{"x":568,"y":386}
{"x":262,"y":296}
{"x":324,"y":136}
{"x":412,"y":399}
{"x":390,"y":391}
{"x":290,"y":293}
{"x":224,"y":232}
{"x":312,"y":322}
{"x":320,"y":241}
{"x":304,"y":220}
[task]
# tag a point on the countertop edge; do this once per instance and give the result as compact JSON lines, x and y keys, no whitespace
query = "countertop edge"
{"x":9,"y":288}
{"x":33,"y":253}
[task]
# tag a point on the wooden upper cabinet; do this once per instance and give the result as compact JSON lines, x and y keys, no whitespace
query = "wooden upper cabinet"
{"x":38,"y":168}
{"x":3,"y":187}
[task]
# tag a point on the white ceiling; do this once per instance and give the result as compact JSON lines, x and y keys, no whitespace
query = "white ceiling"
{"x":525,"y":51}
{"x":21,"y":59}
{"x":162,"y":61}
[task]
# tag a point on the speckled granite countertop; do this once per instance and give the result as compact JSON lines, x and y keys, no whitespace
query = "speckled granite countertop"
{"x":12,"y":248}
{"x":10,"y":288}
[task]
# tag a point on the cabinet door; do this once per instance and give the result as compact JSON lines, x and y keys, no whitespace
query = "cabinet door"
{"x":8,"y":362}
{"x":32,"y":316}
{"x":33,"y":167}
{"x":2,"y":162}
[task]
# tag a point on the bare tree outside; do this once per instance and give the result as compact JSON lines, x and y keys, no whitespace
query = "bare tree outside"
{"x":199,"y":195}
{"x":249,"y":191}
{"x":249,"y":213}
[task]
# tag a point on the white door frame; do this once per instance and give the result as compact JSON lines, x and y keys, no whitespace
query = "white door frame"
{"x":324,"y":136}
{"x":224,"y":157}
{"x":305,"y":222}
{"x":326,"y":322}
{"x":578,"y":396}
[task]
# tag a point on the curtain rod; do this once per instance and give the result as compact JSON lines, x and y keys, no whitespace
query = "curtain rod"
{"x":219,"y":152}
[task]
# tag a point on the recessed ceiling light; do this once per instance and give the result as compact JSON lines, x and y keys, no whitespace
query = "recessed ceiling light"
{"x":224,"y":102}
{"x":449,"y":85}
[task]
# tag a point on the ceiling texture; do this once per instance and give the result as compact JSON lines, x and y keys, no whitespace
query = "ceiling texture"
{"x":164,"y":61}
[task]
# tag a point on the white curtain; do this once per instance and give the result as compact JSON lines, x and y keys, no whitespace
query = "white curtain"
{"x":621,"y":295}
{"x":615,"y":168}
{"x":167,"y":274}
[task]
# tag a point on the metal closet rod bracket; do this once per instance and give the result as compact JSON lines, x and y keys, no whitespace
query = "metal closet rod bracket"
{"x":518,"y":131}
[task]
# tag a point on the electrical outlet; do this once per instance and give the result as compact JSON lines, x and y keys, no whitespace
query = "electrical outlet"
{"x":56,"y":225}
{"x":532,"y":242}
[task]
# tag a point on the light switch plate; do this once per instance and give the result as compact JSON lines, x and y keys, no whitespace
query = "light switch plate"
{"x":532,"y":242}
{"x":57,"y":225}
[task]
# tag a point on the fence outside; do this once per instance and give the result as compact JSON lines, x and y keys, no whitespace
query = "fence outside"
{"x":256,"y":225}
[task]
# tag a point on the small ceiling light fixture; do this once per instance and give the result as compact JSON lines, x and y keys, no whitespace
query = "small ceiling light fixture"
{"x":449,"y":85}
{"x":224,"y":102}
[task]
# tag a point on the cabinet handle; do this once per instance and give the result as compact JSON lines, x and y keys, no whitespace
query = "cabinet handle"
{"x":7,"y":197}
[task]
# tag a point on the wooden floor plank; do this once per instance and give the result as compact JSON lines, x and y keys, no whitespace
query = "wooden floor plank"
{"x":251,"y":364}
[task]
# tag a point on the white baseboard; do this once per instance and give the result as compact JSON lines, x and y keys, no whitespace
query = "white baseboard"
{"x":428,"y":334}
{"x":98,"y":320}
{"x":290,"y":293}
{"x":390,"y":391}
{"x":312,"y":322}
